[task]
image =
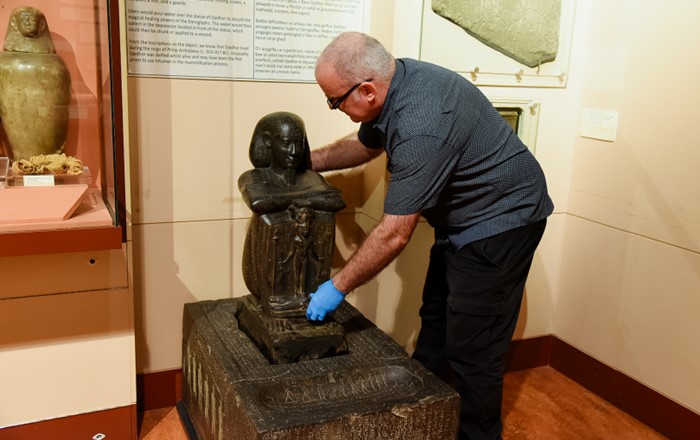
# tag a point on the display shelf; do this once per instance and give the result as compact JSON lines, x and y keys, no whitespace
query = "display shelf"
{"x":15,"y":179}
{"x":74,"y":213}
{"x":90,"y":227}
{"x":34,"y":206}
{"x":60,"y":240}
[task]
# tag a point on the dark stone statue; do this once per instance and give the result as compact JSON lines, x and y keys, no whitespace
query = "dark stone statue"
{"x":254,"y":367}
{"x":290,"y":239}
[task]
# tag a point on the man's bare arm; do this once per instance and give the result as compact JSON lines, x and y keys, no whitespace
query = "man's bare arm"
{"x":380,"y":248}
{"x":346,"y":152}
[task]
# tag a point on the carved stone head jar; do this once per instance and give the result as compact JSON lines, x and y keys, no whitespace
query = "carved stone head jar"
{"x":34,"y":87}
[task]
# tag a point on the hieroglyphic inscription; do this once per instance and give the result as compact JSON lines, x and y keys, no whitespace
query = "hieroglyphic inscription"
{"x":373,"y":391}
{"x":205,"y":393}
{"x":350,"y":385}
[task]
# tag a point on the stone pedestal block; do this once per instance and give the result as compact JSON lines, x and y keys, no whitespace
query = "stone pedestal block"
{"x":286,"y":340}
{"x":374,"y":391}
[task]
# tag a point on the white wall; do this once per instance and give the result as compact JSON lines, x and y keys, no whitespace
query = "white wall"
{"x":189,"y":143}
{"x":616,"y":274}
{"x":629,"y":293}
{"x":553,"y":149}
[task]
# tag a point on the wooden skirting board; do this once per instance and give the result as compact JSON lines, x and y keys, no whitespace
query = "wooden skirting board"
{"x":116,"y":423}
{"x":164,"y":389}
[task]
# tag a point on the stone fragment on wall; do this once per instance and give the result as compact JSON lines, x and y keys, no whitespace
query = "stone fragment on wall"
{"x":524,"y":30}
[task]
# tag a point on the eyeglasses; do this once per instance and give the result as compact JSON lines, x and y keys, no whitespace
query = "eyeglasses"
{"x":334,"y":105}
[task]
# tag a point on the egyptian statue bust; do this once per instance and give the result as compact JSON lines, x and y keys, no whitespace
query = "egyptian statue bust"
{"x":289,"y":243}
{"x":35,"y":87}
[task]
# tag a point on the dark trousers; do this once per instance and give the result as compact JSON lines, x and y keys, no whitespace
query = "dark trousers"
{"x":471,"y":302}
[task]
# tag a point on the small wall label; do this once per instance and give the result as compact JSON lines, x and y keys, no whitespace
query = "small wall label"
{"x":599,"y":124}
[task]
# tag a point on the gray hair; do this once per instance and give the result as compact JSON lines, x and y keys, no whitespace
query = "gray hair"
{"x":358,"y":57}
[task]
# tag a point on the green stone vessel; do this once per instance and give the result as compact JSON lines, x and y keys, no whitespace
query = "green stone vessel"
{"x":35,"y":87}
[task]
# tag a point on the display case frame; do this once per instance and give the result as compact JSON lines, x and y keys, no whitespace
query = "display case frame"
{"x":86,"y":37}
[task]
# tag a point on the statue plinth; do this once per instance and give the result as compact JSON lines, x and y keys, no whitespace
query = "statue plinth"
{"x":231,"y":391}
{"x":286,"y":340}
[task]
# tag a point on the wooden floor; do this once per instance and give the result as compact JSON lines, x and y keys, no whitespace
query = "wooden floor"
{"x":538,"y":404}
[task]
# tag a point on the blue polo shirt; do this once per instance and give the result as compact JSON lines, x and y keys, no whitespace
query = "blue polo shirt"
{"x":453,"y":158}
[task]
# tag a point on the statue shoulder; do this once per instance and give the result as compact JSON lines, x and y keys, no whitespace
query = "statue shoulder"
{"x":255,"y":191}
{"x":251,"y":177}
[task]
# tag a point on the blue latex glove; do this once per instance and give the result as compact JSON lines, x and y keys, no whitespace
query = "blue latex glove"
{"x":326,"y":299}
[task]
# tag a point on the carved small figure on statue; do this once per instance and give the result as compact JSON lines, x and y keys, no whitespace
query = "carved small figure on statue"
{"x":303,"y":252}
{"x":289,"y":243}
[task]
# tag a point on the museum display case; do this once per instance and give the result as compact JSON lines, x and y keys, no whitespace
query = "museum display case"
{"x":61,"y":130}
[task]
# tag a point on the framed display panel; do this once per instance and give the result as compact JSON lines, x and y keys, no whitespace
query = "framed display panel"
{"x":256,"y":40}
{"x":76,"y":202}
{"x":523,"y":115}
{"x":446,"y":43}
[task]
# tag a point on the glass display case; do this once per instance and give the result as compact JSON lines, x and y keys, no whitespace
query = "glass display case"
{"x":61,"y":130}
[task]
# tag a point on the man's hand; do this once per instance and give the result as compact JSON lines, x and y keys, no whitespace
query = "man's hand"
{"x":325,"y":300}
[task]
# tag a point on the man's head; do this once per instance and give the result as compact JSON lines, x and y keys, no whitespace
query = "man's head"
{"x":354,"y":71}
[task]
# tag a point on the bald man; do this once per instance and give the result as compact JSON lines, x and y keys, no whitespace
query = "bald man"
{"x":456,"y":162}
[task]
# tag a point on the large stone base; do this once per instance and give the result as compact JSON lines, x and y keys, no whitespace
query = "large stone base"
{"x":375,"y":391}
{"x":286,"y":340}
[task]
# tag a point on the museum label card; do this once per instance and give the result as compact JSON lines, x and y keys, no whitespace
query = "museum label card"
{"x":39,"y":180}
{"x":599,"y":124}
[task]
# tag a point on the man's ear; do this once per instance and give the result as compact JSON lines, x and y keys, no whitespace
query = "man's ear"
{"x":369,"y":90}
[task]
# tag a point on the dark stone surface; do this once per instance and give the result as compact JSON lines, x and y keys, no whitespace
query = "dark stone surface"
{"x":289,"y":244}
{"x":285,"y":340}
{"x":231,"y":391}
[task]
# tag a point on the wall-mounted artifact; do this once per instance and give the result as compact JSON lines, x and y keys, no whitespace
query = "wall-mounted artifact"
{"x":526,"y":31}
{"x":35,"y":87}
{"x":290,"y":239}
